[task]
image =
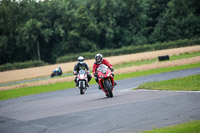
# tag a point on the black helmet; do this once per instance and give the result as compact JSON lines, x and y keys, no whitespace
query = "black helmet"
{"x":80,"y":59}
{"x":98,"y":58}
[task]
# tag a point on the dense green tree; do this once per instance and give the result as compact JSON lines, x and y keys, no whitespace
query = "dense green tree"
{"x":9,"y":21}
{"x":179,"y":21}
{"x":83,"y":32}
{"x":31,"y":30}
{"x":31,"y":34}
{"x":154,"y":11}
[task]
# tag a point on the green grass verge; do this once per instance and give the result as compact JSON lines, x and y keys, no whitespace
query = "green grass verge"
{"x":8,"y":94}
{"x":189,"y":127}
{"x":189,"y":83}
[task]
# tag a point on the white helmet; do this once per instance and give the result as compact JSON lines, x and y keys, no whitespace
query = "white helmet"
{"x":80,"y":59}
{"x":59,"y":66}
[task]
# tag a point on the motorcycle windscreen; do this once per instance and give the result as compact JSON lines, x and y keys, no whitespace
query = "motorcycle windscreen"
{"x":102,"y":68}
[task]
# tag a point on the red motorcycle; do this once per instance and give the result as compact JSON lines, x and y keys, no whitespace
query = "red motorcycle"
{"x":82,"y":81}
{"x":106,"y":80}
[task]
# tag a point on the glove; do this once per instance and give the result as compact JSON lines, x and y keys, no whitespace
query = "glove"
{"x":112,"y":69}
{"x":95,"y":74}
{"x":75,"y":73}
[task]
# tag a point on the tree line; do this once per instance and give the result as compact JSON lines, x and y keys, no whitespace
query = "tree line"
{"x":45,"y":30}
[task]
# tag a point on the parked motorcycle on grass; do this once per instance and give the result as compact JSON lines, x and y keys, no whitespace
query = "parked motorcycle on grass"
{"x":82,"y":81}
{"x":56,"y":73}
{"x":106,"y":80}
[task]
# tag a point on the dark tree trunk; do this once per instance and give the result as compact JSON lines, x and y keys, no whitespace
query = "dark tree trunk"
{"x":38,"y":51}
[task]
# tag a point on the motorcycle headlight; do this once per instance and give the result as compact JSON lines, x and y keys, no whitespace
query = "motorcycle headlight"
{"x":108,"y":75}
{"x":81,"y":76}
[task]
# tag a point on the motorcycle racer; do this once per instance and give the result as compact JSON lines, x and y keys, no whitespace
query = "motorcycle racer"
{"x":59,"y":70}
{"x":81,"y":65}
{"x":98,"y":61}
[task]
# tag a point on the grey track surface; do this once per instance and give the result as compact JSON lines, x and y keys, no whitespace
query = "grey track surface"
{"x":131,"y":111}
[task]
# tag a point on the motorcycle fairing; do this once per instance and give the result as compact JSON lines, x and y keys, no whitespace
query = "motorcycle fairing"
{"x":105,"y":73}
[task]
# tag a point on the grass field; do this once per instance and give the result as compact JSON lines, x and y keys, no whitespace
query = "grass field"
{"x":185,"y":55}
{"x":155,"y":71}
{"x":174,"y":57}
{"x":137,"y":68}
{"x":29,"y":73}
{"x":136,"y":63}
{"x":8,"y":94}
{"x":189,"y":127}
{"x":190,"y":83}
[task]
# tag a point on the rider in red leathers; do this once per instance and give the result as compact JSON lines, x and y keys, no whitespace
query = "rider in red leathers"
{"x":98,"y":61}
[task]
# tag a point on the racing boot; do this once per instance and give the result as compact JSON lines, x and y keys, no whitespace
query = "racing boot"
{"x":88,"y":85}
{"x":76,"y":83}
{"x":115,"y":83}
{"x":99,"y":87}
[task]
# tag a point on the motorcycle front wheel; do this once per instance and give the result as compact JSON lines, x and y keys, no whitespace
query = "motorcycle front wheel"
{"x":81,"y":88}
{"x":109,"y":88}
{"x":52,"y":75}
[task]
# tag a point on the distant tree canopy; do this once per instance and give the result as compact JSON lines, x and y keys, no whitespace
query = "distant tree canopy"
{"x":31,"y":30}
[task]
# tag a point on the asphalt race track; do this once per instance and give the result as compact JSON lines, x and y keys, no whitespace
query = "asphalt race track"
{"x":129,"y":111}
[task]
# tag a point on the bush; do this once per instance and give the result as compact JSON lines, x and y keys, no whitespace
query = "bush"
{"x":21,"y":65}
{"x":130,"y":49}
